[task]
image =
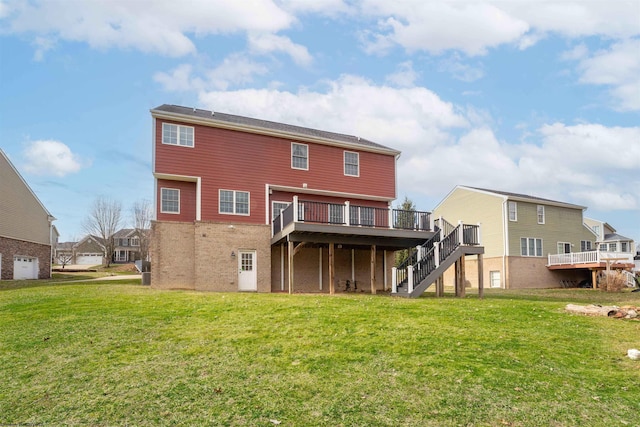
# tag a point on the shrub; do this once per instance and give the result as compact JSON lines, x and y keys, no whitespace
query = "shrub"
{"x":615,"y":281}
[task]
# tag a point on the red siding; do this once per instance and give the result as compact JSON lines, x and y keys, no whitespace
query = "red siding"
{"x":242,"y":161}
{"x":187,"y":201}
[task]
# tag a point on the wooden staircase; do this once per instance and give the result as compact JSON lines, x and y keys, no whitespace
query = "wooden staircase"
{"x":430,"y":260}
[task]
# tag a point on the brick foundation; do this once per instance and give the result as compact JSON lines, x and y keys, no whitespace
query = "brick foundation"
{"x":198,"y":256}
{"x":12,"y":247}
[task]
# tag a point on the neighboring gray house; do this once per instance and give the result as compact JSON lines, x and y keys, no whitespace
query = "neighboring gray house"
{"x":27,"y":234}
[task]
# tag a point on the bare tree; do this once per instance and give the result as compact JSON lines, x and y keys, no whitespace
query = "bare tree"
{"x":405,"y":219}
{"x":103,"y":222}
{"x":142,"y":213}
{"x":65,"y":259}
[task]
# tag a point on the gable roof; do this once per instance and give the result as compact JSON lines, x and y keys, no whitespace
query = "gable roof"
{"x":524,"y":197}
{"x":248,"y":124}
{"x":96,"y":239}
{"x":615,"y":237}
{"x":123,"y":232}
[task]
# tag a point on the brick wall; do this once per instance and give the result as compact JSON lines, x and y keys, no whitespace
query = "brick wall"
{"x":11,"y":247}
{"x":198,"y":255}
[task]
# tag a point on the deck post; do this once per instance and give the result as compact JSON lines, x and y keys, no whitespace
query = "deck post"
{"x":463,"y":277}
{"x":391,"y":216}
{"x":295,"y":208}
{"x":436,"y":253}
{"x":347,"y":213}
{"x":480,"y":276}
{"x":410,"y":279}
{"x":479,"y":234}
{"x":290,"y":255}
{"x":332,"y":286}
{"x":440,"y":286}
{"x":460,"y":232}
{"x":373,"y":269}
{"x":394,"y":280}
{"x":594,"y":277}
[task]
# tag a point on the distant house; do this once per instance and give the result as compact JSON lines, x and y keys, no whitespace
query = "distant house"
{"x":244,"y":204}
{"x":27,"y":233}
{"x":127,"y":245}
{"x":531,"y":242}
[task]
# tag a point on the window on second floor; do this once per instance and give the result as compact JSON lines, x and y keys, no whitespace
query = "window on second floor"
{"x":613,"y":247}
{"x":299,"y":156}
{"x":177,"y":135}
{"x":351,"y":163}
{"x":530,"y":246}
{"x":624,"y":247}
{"x":585,"y":245}
{"x":513,"y":211}
{"x":135,"y":241}
{"x":603,"y":247}
{"x":234,"y":202}
{"x":170,"y":200}
{"x":564,"y":248}
{"x":540,"y":214}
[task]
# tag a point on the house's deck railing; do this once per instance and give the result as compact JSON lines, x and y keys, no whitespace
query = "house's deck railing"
{"x":590,"y":257}
{"x":351,"y":215}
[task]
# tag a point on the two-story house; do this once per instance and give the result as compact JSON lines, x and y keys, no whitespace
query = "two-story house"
{"x":26,"y":228}
{"x":528,"y":240}
{"x":127,"y":245}
{"x":244,"y":204}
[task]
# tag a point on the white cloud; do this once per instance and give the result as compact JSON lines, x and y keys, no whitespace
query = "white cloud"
{"x":42,"y":44}
{"x":235,"y":70}
{"x":150,"y":26}
{"x":268,"y":43}
{"x":619,"y":68}
{"x":401,"y":118}
{"x":324,"y":7}
{"x":439,"y":26}
{"x":405,"y":76}
{"x":475,"y":27}
{"x":49,"y":157}
{"x":460,"y":70}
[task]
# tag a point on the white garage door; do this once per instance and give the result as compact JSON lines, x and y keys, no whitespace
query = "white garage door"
{"x":89,"y":259}
{"x":25,"y":268}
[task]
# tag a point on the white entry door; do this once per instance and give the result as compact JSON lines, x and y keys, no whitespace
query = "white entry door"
{"x":25,"y":268}
{"x":247,"y":272}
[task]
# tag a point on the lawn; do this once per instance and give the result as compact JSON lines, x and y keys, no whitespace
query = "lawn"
{"x":118,"y":353}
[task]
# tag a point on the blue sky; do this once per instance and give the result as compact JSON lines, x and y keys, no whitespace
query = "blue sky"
{"x":540,"y":98}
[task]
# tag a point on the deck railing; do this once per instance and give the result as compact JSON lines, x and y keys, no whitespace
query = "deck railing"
{"x":348,"y":214}
{"x":590,"y":257}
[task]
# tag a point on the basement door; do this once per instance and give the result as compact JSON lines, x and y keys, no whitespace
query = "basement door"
{"x":247,"y":274}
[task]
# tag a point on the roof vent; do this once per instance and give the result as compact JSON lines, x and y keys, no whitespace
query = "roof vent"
{"x":194,"y":109}
{"x":212,"y":113}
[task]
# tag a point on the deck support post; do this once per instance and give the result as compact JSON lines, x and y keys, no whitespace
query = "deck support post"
{"x":463,"y":276}
{"x":373,"y":269}
{"x":394,"y":280}
{"x":290,"y":255}
{"x":409,"y":279}
{"x":332,"y":285}
{"x":594,"y":277}
{"x":440,"y":286}
{"x":480,"y":276}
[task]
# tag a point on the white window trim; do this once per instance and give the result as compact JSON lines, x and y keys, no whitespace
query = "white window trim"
{"x":234,"y":202}
{"x":515,"y":211}
{"x":563,"y":246}
{"x":177,"y":144}
{"x":294,"y":167}
{"x":169,"y":212}
{"x":538,"y":214}
{"x":344,"y":156}
{"x":534,"y":247}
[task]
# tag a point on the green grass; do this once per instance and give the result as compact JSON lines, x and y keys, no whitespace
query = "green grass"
{"x":117,"y":353}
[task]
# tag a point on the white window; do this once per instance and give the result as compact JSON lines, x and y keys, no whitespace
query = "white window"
{"x":613,"y":247}
{"x":351,"y":163}
{"x":494,"y":279}
{"x":564,"y":248}
{"x":513,"y":211}
{"x":170,"y":200}
{"x":585,"y":245}
{"x":540,"y":214}
{"x":603,"y":247}
{"x":530,"y":246}
{"x":234,"y":202}
{"x":596,"y":229}
{"x":135,"y":241}
{"x":299,"y":156}
{"x":277,"y":208}
{"x":177,"y":135}
{"x":624,"y":247}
